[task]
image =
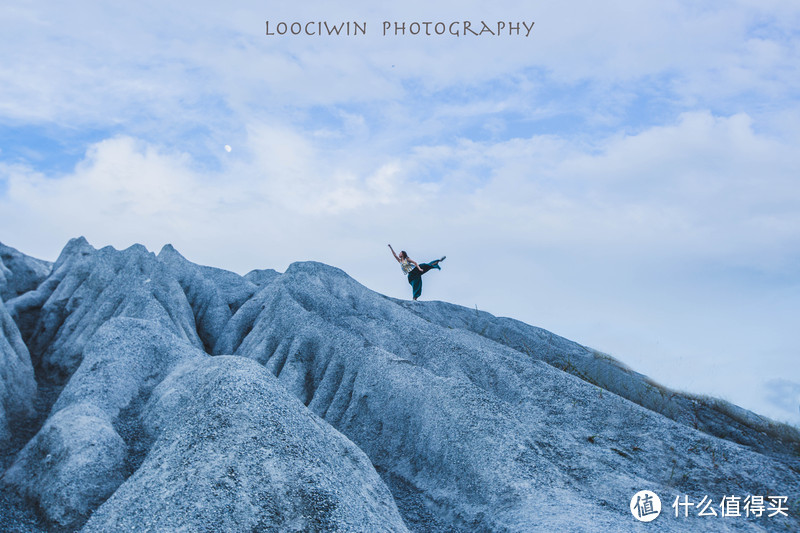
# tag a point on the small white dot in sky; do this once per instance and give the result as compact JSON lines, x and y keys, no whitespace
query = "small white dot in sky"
{"x":227,"y":147}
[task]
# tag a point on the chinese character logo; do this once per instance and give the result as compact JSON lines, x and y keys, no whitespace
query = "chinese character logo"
{"x":645,"y":506}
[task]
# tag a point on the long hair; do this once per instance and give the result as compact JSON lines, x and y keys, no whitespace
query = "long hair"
{"x":403,"y":254}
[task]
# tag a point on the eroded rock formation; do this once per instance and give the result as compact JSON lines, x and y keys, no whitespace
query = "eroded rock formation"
{"x":172,"y":395}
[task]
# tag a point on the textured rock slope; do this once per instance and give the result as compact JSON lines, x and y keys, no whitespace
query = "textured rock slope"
{"x":174,"y":396}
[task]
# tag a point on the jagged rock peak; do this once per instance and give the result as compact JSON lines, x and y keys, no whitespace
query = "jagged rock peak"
{"x":76,"y":247}
{"x":19,"y":273}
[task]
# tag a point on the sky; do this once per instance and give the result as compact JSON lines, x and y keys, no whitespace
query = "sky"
{"x":626,"y":175}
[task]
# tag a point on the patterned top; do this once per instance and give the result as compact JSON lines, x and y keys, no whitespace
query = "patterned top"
{"x":406,"y":266}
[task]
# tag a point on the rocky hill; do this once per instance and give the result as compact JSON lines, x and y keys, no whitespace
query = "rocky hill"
{"x":144,"y":392}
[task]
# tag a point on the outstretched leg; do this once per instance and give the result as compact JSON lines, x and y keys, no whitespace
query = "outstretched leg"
{"x":433,"y":264}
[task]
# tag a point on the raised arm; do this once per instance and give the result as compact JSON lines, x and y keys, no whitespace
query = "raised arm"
{"x":394,"y":254}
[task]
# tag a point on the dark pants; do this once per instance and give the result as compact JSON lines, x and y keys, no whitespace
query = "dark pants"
{"x":415,"y":276}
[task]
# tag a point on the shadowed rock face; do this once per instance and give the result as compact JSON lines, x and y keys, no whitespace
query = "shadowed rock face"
{"x":17,"y":385}
{"x":197,"y":399}
{"x":18,"y":275}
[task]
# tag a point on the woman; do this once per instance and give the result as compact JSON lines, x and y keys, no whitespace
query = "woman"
{"x":415,"y":270}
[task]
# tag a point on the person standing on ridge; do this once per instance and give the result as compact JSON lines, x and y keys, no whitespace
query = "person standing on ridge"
{"x":415,"y":270}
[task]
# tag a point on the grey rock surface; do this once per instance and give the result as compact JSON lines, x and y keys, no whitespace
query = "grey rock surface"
{"x":710,"y":415}
{"x":234,"y":451}
{"x":213,"y":294}
{"x":72,"y":464}
{"x":192,"y":398}
{"x":78,"y":459}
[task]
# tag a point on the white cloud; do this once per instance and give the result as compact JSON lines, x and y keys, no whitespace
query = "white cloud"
{"x":706,"y":187}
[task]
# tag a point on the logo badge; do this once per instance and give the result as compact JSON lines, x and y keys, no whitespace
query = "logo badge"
{"x":645,"y":506}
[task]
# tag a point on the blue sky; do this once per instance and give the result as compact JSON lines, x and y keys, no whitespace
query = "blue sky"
{"x":627,"y":176}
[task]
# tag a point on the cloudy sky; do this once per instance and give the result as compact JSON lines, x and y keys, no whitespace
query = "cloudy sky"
{"x":626,"y":176}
